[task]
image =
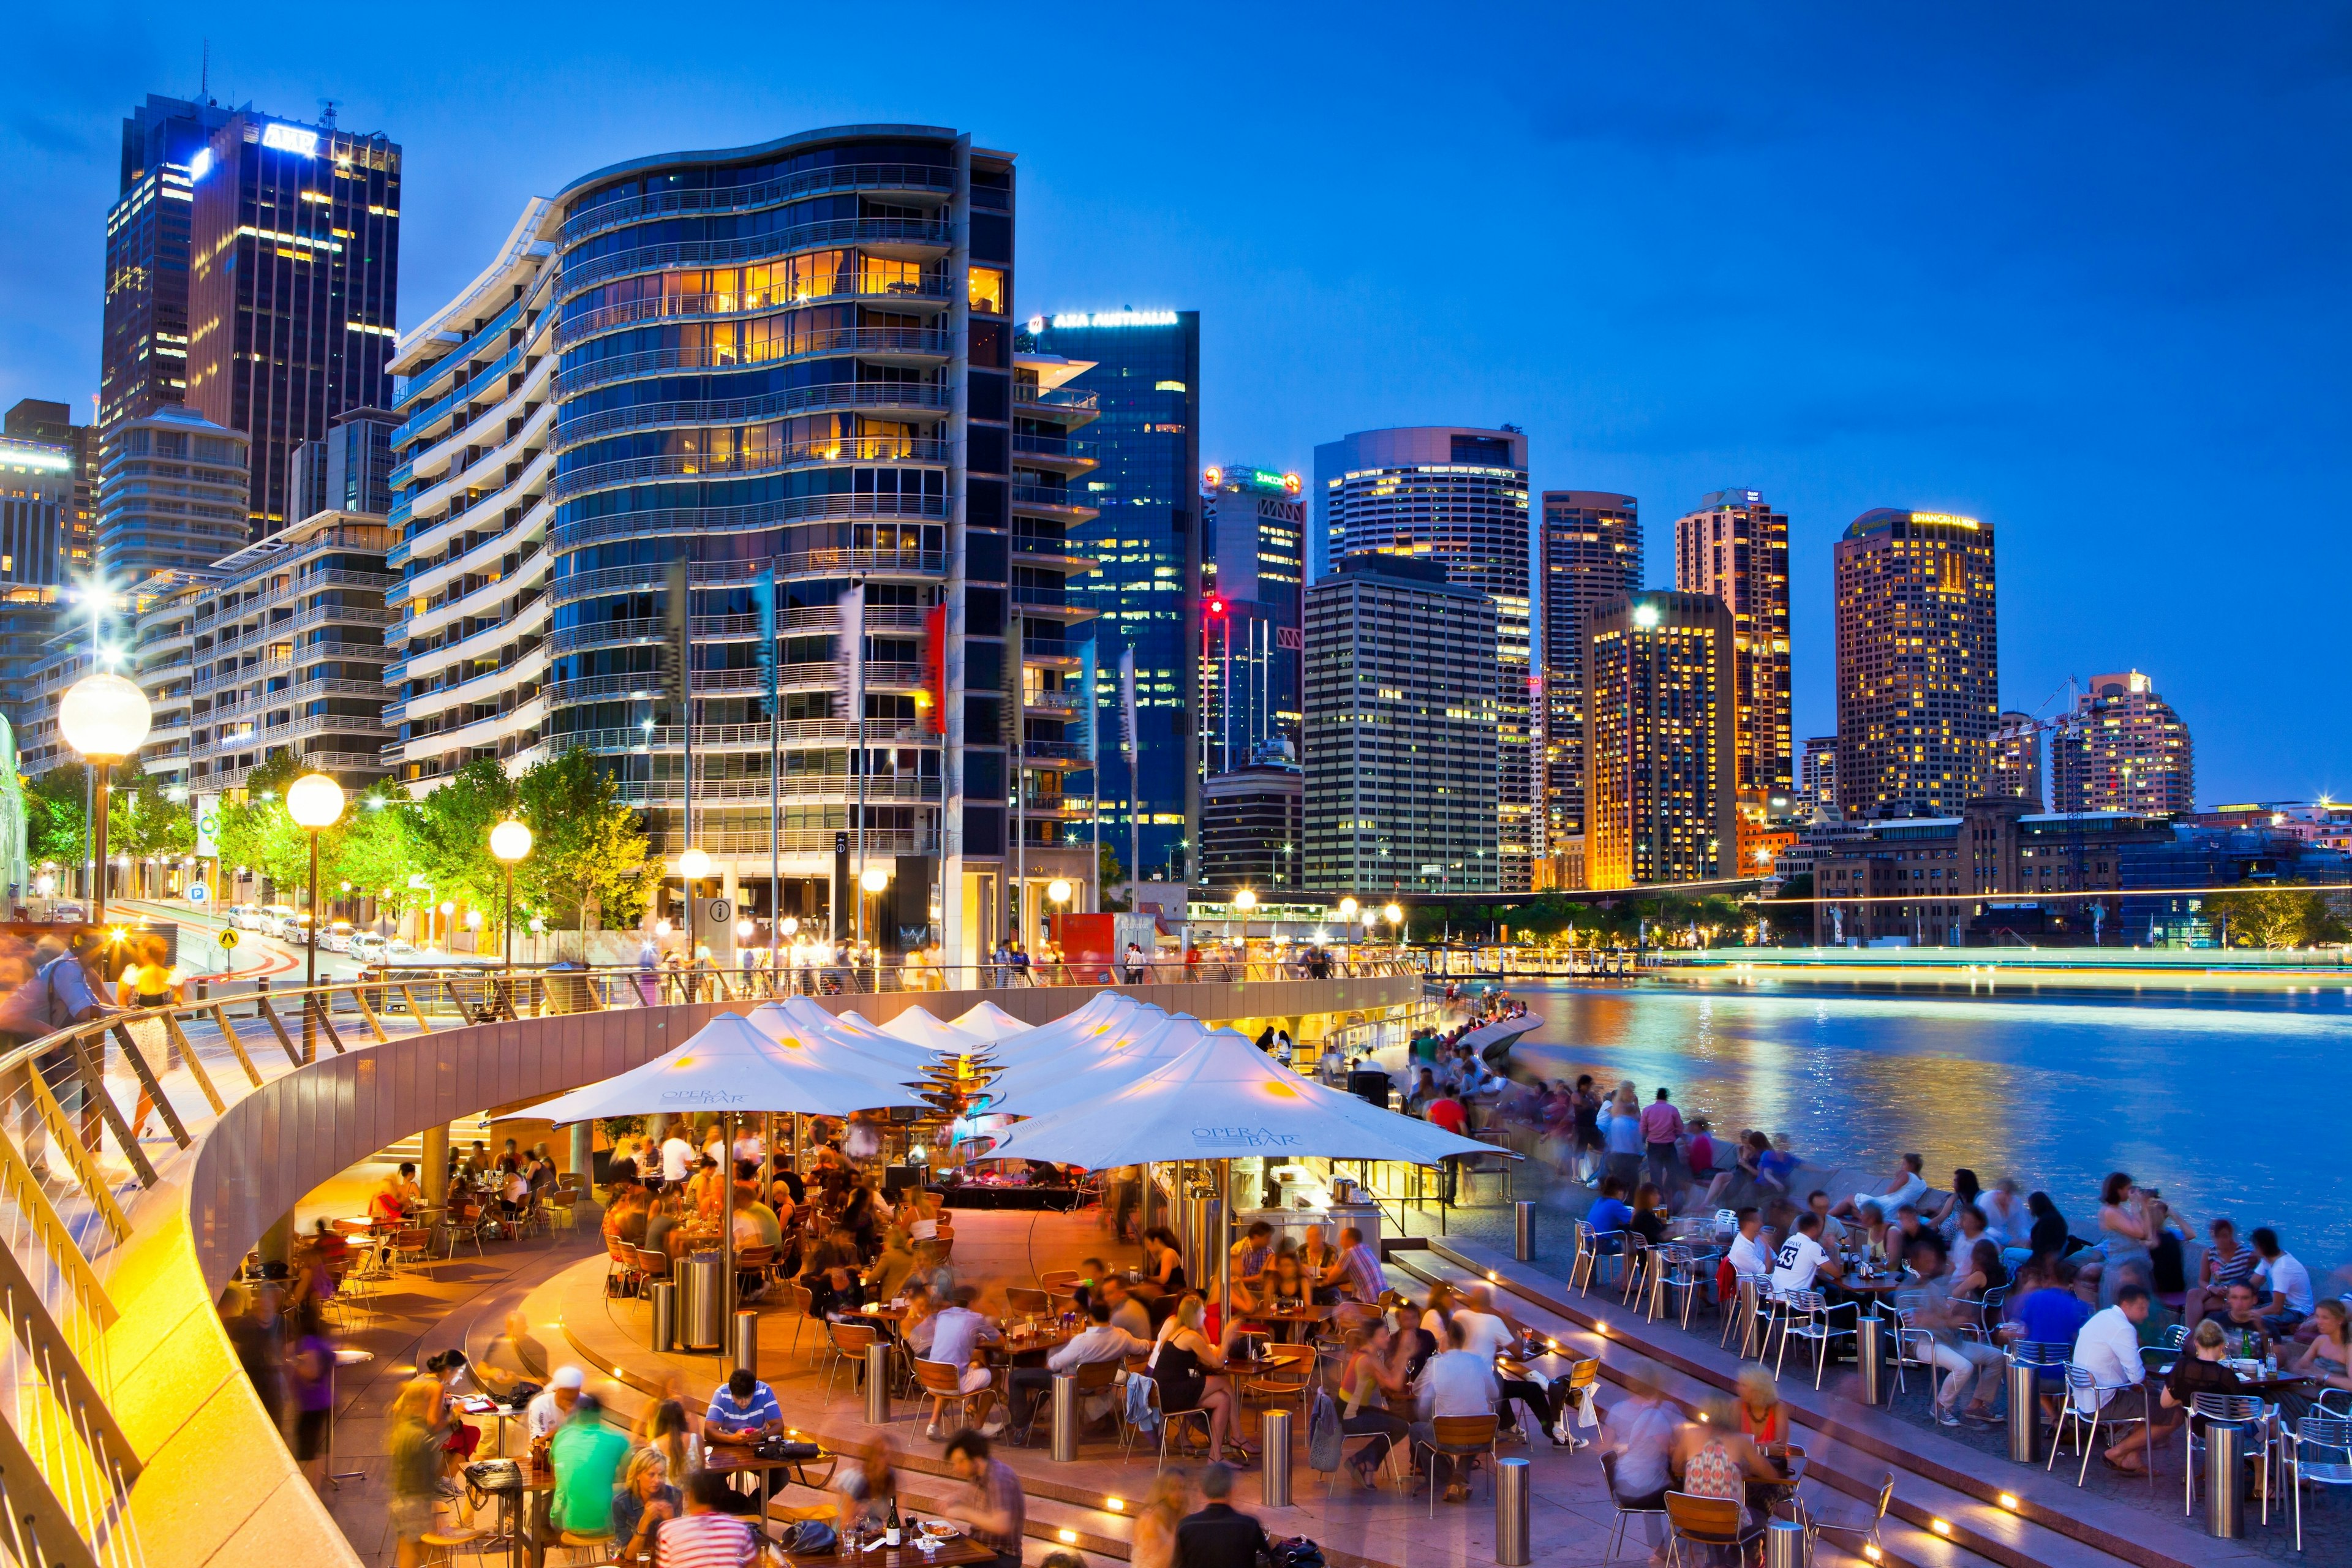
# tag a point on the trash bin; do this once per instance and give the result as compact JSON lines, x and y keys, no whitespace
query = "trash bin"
{"x":701,"y":1303}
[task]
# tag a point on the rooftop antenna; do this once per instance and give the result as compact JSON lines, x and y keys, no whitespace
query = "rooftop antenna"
{"x":205,"y":79}
{"x":327,"y":112}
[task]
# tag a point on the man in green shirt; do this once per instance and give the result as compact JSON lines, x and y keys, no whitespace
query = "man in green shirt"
{"x":587,"y":1456}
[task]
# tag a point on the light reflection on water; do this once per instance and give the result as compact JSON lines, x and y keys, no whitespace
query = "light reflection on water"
{"x":2233,"y":1107}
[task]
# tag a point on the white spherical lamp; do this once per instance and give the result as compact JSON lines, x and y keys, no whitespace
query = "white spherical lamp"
{"x":104,"y":715}
{"x":792,"y":926}
{"x":1347,"y":908}
{"x":1245,"y":900}
{"x":314,"y":801}
{"x":874,"y":879}
{"x":1393,"y":914}
{"x":510,"y":841}
{"x":1059,"y":890}
{"x":693,"y":865}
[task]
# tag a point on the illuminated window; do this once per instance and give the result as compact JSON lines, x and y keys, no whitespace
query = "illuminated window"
{"x":985,"y":288}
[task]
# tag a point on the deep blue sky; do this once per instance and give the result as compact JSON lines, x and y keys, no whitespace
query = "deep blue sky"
{"x":2077,"y":270}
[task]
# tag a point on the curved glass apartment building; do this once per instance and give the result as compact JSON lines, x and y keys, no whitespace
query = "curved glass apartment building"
{"x":796,"y":360}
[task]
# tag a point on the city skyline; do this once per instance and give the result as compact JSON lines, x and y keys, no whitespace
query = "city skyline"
{"x":2048,"y":355}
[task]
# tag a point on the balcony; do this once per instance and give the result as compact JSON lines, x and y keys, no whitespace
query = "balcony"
{"x":1061,"y":404}
{"x":918,"y":563}
{"x":911,"y":344}
{"x":750,"y":198}
{"x":844,"y":395}
{"x":1063,"y":453}
{"x":1052,"y":501}
{"x":884,"y":235}
{"x":840,"y":787}
{"x":801,"y":455}
{"x":928,"y":292}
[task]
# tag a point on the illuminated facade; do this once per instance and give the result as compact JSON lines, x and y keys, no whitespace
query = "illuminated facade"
{"x":293,"y":283}
{"x":1458,"y":497}
{"x":792,"y":364}
{"x":1592,"y":558}
{"x":1735,"y":547}
{"x":1401,"y":752}
{"x":1253,"y":827}
{"x":1817,"y":796}
{"x":1660,"y":731}
{"x":35,"y":419}
{"x":145,"y":363}
{"x":1917,"y":663}
{"x":1256,"y":535}
{"x":2122,"y":749}
{"x":1136,"y":376}
{"x":173,"y":491}
{"x":2017,"y":760}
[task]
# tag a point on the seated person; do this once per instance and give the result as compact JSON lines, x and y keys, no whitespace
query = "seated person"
{"x":1610,"y":1213}
{"x":1253,"y":1251}
{"x":1801,"y":1257}
{"x":953,"y":1336}
{"x":743,"y":1412}
{"x":1906,"y":1185}
{"x":1648,"y":1223}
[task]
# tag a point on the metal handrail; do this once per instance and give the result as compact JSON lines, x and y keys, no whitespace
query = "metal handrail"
{"x":732,"y":573}
{"x":798,"y":455}
{"x":624,"y":210}
{"x":931,"y":341}
{"x":847,"y":282}
{"x":573,"y":430}
{"x":577,"y":277}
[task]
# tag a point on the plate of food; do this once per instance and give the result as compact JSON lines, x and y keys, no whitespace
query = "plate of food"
{"x":939,"y":1529}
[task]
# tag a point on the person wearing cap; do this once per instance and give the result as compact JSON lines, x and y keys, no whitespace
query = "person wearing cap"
{"x":552,"y":1407}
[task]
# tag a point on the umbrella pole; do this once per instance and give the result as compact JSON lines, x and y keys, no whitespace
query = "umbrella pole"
{"x":726,"y":1237}
{"x":1225,"y":1251}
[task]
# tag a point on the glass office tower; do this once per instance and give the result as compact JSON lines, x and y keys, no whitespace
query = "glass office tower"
{"x":1254,"y":528}
{"x":1143,"y":369}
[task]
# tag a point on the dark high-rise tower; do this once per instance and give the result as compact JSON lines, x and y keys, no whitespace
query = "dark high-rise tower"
{"x":1591,"y":557}
{"x":1253,"y":524}
{"x":147,"y":240}
{"x":292,"y":283}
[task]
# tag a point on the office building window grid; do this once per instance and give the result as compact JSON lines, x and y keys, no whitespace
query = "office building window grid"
{"x":1662,"y":741}
{"x":1735,"y":547}
{"x":1591,"y":557}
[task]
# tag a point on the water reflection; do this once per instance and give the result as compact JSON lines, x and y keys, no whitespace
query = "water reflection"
{"x":2229,"y":1107}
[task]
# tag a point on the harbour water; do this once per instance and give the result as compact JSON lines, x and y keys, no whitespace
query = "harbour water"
{"x":2229,"y":1105}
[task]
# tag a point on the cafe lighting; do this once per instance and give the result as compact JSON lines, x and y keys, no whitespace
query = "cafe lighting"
{"x":1941,"y":1526}
{"x":2008,"y":1500}
{"x":1068,"y":1537}
{"x":742,"y":930}
{"x":874,"y":879}
{"x":1116,"y":1504}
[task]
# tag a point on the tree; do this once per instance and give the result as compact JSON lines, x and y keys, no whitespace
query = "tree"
{"x":1108,"y":874}
{"x":451,"y":833}
{"x":142,"y":819}
{"x":56,"y":807}
{"x":2271,"y":915}
{"x":256,"y":832}
{"x":374,"y":851}
{"x":589,"y":850}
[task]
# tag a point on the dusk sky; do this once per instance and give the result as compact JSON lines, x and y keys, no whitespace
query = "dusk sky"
{"x":2078,"y":271}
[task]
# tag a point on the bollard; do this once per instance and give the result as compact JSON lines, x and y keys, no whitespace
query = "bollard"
{"x":877,"y":1384}
{"x":1065,"y":1418}
{"x":1273,"y":1443}
{"x":1511,"y":1538}
{"x":747,"y":1342}
{"x":1523,"y":1231}
{"x":2024,"y":1413}
{"x":2225,"y":1514}
{"x":700,"y":1326}
{"x":1784,"y":1544}
{"x":665,"y":1314}
{"x":1866,"y":1356}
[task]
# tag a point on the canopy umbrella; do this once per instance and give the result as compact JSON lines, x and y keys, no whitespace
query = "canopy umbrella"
{"x":729,"y":1065}
{"x":1094,"y":1068}
{"x":992,"y":1023}
{"x":801,"y":1015}
{"x":1108,"y":1013}
{"x":919,"y":1025}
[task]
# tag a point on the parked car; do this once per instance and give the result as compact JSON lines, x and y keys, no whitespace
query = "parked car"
{"x":295,"y":929}
{"x":336,"y":937}
{"x":243,"y":916}
{"x":65,"y":911}
{"x":273,"y":921}
{"x":368,"y":947}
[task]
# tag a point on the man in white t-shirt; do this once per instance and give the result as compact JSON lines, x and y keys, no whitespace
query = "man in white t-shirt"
{"x":552,"y":1406}
{"x":1800,"y":1257}
{"x":677,"y":1158}
{"x":2287,"y":1282}
{"x":1484,"y":1333}
{"x":1748,"y":1258}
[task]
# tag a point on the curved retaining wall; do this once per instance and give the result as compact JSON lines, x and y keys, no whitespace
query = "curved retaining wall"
{"x":219,"y":1486}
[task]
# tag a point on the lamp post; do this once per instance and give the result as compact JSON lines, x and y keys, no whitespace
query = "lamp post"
{"x":314,"y":801}
{"x":1395,"y":915}
{"x":510,"y":842}
{"x":106,"y":719}
{"x":1246,"y":900}
{"x":872,"y":880}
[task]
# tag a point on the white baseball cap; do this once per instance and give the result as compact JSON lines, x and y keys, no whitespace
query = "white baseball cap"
{"x":568,"y":1377}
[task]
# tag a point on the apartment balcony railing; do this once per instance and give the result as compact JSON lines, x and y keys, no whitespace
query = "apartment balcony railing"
{"x":726,"y":573}
{"x":847,"y":283}
{"x":465,"y":350}
{"x":919,"y":232}
{"x":750,"y":198}
{"x":792,"y":509}
{"x":800,"y":455}
{"x":831,"y":395}
{"x":911,"y":342}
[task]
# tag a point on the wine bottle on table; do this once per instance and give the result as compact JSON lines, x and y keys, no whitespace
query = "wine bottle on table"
{"x":890,"y":1534}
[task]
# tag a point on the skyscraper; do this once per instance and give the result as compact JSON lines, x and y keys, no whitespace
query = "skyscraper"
{"x":1663,"y":740}
{"x":1401,"y":731}
{"x":1735,"y":547}
{"x":793,"y":359}
{"x":1817,"y":796}
{"x":34,"y":420}
{"x":1141,"y":371}
{"x":1256,"y":534}
{"x":293,"y":282}
{"x":1592,"y":558}
{"x":1458,"y":497}
{"x":148,"y":232}
{"x":347,"y":470}
{"x":1917,"y":663}
{"x":2122,"y":749}
{"x":2017,"y":759}
{"x":173,"y":491}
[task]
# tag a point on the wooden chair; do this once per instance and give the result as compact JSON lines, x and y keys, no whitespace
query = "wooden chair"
{"x":411,"y":1246}
{"x":620,"y":1263}
{"x":441,"y":1546}
{"x":796,"y":1300}
{"x":1292,"y":1377}
{"x":1022,"y":1302}
{"x":1462,"y":1437}
{"x":651,"y":1266}
{"x":846,"y":1345}
{"x":755,"y":1260}
{"x":942,"y":1383}
{"x":597,"y":1544}
{"x":1057,"y":1281}
{"x":1706,"y":1522}
{"x":1093,"y":1377}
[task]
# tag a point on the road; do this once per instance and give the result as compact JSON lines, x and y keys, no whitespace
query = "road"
{"x":201,"y":956}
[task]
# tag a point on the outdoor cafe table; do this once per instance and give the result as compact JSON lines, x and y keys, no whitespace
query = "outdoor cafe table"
{"x":956,"y":1550}
{"x":733,"y":1459}
{"x":1285,"y":1321}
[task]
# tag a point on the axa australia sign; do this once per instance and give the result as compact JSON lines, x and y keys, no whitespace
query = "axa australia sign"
{"x":1243,"y":1140}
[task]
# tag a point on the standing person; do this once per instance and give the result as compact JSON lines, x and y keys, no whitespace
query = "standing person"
{"x":312,"y":1370}
{"x":1662,"y":1132}
{"x":147,"y":982}
{"x":412,"y":1445}
{"x":251,"y":1340}
{"x":992,"y":1506}
{"x":1623,"y":1130}
{"x":1153,"y":1544}
{"x":586,"y":1454}
{"x":678,"y":1159}
{"x":707,"y":1535}
{"x":1585,"y":1114}
{"x":66,"y":988}
{"x":1220,"y":1536}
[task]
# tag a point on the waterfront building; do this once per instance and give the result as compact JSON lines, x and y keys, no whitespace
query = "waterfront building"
{"x":2198,"y":855}
{"x":1135,"y":376}
{"x":2122,"y":749}
{"x":1456,"y":496}
{"x":1735,"y":547}
{"x":1817,"y":796}
{"x":2017,"y":759}
{"x":164,"y":664}
{"x":291,"y":288}
{"x":791,"y":363}
{"x":347,"y":470}
{"x":172,"y":495}
{"x":1254,"y":825}
{"x":1255,"y":523}
{"x":1662,"y":738}
{"x":1590,"y":557}
{"x":1401,"y":732}
{"x":1917,"y":664}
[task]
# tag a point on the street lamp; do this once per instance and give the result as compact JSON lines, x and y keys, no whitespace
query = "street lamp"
{"x":1395,"y":914}
{"x":510,"y":842}
{"x":1244,"y":901}
{"x":314,"y":801}
{"x":106,"y":719}
{"x":1347,"y":908}
{"x":874,"y":878}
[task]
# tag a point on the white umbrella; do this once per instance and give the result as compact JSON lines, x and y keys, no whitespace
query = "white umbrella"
{"x":1224,"y":1098}
{"x":992,"y":1023}
{"x":728,"y":1066}
{"x":1093,"y":1069}
{"x":798,"y":1015}
{"x":1501,"y":1032}
{"x":1108,"y":1013}
{"x":919,"y":1025}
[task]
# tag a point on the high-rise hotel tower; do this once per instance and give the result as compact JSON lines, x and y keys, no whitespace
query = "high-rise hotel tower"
{"x":1917,"y":664}
{"x":791,"y":364}
{"x":1735,"y":547}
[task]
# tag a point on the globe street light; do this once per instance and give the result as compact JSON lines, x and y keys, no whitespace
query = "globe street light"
{"x":1395,"y":914}
{"x":1347,"y":908}
{"x":1246,"y":900}
{"x":106,"y":719}
{"x":874,"y":878}
{"x":510,"y":842}
{"x":314,"y":801}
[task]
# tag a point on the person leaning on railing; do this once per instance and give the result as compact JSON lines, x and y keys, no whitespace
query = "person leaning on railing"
{"x":64,"y":989}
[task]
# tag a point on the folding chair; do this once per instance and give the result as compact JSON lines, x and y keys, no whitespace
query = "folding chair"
{"x":2328,"y":1434}
{"x":1807,"y":1315}
{"x":1862,"y":1532}
{"x":2085,"y":1413}
{"x":1462,"y":1437}
{"x":1020,"y":1301}
{"x":845,"y":1345}
{"x":943,"y":1384}
{"x":2233,"y":1409}
{"x":1625,"y":1516}
{"x":1708,"y":1523}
